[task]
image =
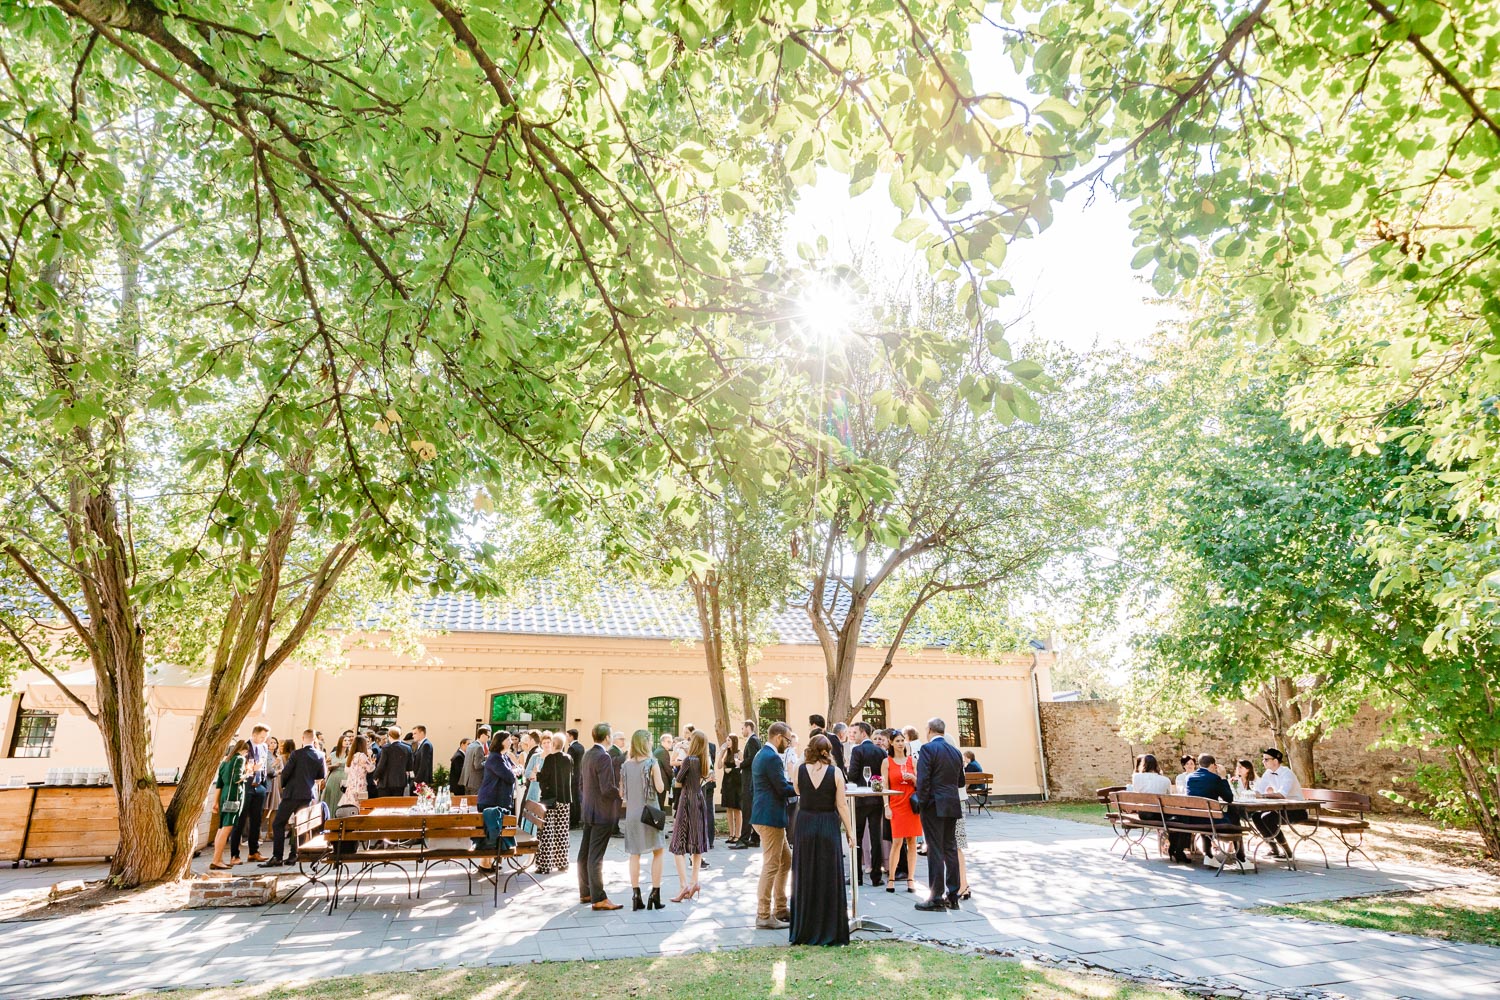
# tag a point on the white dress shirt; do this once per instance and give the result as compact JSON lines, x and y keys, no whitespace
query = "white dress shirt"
{"x":1150,"y":783}
{"x":1282,"y":781}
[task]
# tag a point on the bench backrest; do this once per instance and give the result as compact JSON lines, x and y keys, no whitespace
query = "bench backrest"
{"x":1338,"y":800}
{"x":536,"y":812}
{"x":1193,"y":807}
{"x":978,"y":778}
{"x":1133,"y":802}
{"x":306,"y":823}
{"x":1103,"y":794}
{"x":412,"y":827}
{"x":388,"y":802}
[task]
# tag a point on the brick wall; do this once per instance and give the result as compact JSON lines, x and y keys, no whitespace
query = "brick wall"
{"x":1085,"y":750}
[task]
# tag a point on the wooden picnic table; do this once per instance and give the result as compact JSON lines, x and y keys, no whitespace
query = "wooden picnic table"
{"x":1256,"y":804}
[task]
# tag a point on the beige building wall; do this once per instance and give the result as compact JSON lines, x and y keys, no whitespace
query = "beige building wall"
{"x":448,"y":689}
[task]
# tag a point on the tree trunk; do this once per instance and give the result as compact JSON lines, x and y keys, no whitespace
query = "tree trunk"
{"x":1299,"y":749}
{"x":747,"y":693}
{"x":710,"y":624}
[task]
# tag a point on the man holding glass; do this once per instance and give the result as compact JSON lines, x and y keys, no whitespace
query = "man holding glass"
{"x":865,"y":760}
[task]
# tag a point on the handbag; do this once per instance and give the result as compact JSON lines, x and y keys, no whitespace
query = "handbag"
{"x":652,"y":813}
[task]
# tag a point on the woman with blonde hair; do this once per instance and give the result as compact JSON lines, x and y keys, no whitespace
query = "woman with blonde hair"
{"x":555,"y":779}
{"x":641,"y":786}
{"x":690,"y":828}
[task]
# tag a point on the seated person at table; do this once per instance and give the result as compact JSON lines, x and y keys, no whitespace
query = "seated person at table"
{"x":1189,"y":764}
{"x":1148,"y":777}
{"x":1210,"y":784}
{"x":1245,"y":772}
{"x":1278,"y":782}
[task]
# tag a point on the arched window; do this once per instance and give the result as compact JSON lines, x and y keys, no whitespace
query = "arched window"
{"x":874,"y":713}
{"x":377,"y":711}
{"x":662,"y":715}
{"x":771,"y":710}
{"x":968,"y":722}
{"x":516,"y":710}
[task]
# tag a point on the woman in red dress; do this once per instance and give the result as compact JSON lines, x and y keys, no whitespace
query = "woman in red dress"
{"x":899,"y":772}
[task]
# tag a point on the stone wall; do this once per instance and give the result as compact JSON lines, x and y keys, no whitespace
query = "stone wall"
{"x":1085,"y":750}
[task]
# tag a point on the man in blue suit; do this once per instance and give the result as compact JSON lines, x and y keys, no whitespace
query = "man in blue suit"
{"x":772,"y":789}
{"x":940,"y":782}
{"x":1210,"y":784}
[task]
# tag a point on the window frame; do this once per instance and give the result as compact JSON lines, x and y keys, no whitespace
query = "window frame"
{"x":652,"y":719}
{"x":393,"y":702}
{"x":517,"y":725}
{"x":765,"y":720}
{"x":24,"y":735}
{"x":885,"y":715}
{"x":971,"y":738}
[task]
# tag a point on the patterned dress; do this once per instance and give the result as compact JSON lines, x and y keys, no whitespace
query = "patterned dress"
{"x":690,"y":827}
{"x":356,"y":787}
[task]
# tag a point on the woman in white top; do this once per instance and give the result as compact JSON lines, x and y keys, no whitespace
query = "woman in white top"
{"x":1148,"y":778}
{"x":1189,"y":765}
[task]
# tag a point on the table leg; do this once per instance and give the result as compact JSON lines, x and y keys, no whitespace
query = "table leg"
{"x":857,"y":922}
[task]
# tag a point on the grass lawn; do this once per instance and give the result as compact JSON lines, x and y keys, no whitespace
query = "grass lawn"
{"x":1471,"y":915}
{"x":858,"y":972}
{"x":1078,"y":812}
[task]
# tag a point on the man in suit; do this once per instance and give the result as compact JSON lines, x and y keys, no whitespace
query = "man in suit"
{"x":299,"y":786}
{"x":618,"y":746}
{"x":836,"y":738}
{"x":394,"y":766}
{"x":575,"y":751}
{"x":748,"y":837}
{"x":1207,"y":782}
{"x":663,"y":755}
{"x":940,"y":782}
{"x":474,"y":761}
{"x":768,"y":773}
{"x":256,"y":789}
{"x":456,"y":768}
{"x":600,"y":811}
{"x":421,"y":754}
{"x":869,"y":811}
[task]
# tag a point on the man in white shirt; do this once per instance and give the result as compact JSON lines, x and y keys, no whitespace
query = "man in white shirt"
{"x":1276,"y":782}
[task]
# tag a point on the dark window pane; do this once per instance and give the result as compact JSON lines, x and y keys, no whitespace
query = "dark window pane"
{"x":771,"y":710}
{"x":377,"y":711}
{"x":874,"y":713}
{"x":661,"y":717}
{"x":34,"y":733}
{"x":528,"y":710}
{"x":968,"y":722}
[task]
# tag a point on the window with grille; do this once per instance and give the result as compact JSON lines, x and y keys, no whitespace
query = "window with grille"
{"x":968,"y":722}
{"x":662,"y":714}
{"x":517,"y":710}
{"x":874,"y":713}
{"x":34,"y":733}
{"x":377,"y":712}
{"x":771,"y":710}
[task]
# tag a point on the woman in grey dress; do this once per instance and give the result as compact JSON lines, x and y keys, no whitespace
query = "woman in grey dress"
{"x":641,"y":785}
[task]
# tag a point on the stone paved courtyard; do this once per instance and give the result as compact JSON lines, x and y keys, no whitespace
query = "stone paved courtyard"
{"x":1040,"y":886}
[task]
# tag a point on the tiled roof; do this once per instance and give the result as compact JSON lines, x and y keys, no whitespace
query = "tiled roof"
{"x":616,"y":610}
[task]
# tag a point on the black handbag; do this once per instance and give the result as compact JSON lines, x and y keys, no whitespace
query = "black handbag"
{"x":652,"y":814}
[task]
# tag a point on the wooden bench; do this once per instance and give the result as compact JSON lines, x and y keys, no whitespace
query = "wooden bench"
{"x":1342,"y":813}
{"x":1193,"y":815}
{"x":1111,"y":813}
{"x":977,"y":785}
{"x":1134,"y":817}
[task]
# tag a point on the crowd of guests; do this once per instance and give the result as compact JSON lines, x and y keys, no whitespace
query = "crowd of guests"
{"x":788,"y":799}
{"x":1201,"y":776}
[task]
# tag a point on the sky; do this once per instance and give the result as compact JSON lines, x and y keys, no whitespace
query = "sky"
{"x":1073,"y":282}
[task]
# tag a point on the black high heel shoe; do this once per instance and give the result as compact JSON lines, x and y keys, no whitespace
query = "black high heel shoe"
{"x":653,"y":902}
{"x":891,"y":887}
{"x":965,"y":894}
{"x":635,"y":902}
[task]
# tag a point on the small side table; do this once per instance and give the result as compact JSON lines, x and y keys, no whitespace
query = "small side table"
{"x":857,"y":922}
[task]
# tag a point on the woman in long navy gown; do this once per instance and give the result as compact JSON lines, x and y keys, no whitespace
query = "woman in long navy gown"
{"x":823,"y":826}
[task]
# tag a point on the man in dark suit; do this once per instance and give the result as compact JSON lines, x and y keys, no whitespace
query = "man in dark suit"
{"x":393,"y":767}
{"x":663,"y":755}
{"x":257,"y":787}
{"x":818,"y":726}
{"x":421,"y":757}
{"x":869,"y":811}
{"x":456,"y":768}
{"x":575,"y":750}
{"x":940,"y":782}
{"x":768,"y":772}
{"x":600,"y":811}
{"x":617,"y":746}
{"x":299,"y":786}
{"x":748,"y":837}
{"x":836,"y":737}
{"x":1207,"y":782}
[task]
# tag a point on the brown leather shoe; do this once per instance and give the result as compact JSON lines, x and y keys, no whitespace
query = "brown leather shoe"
{"x":257,"y":856}
{"x":605,"y":904}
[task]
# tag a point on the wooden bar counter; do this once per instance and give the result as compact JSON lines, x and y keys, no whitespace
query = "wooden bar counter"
{"x":52,"y":822}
